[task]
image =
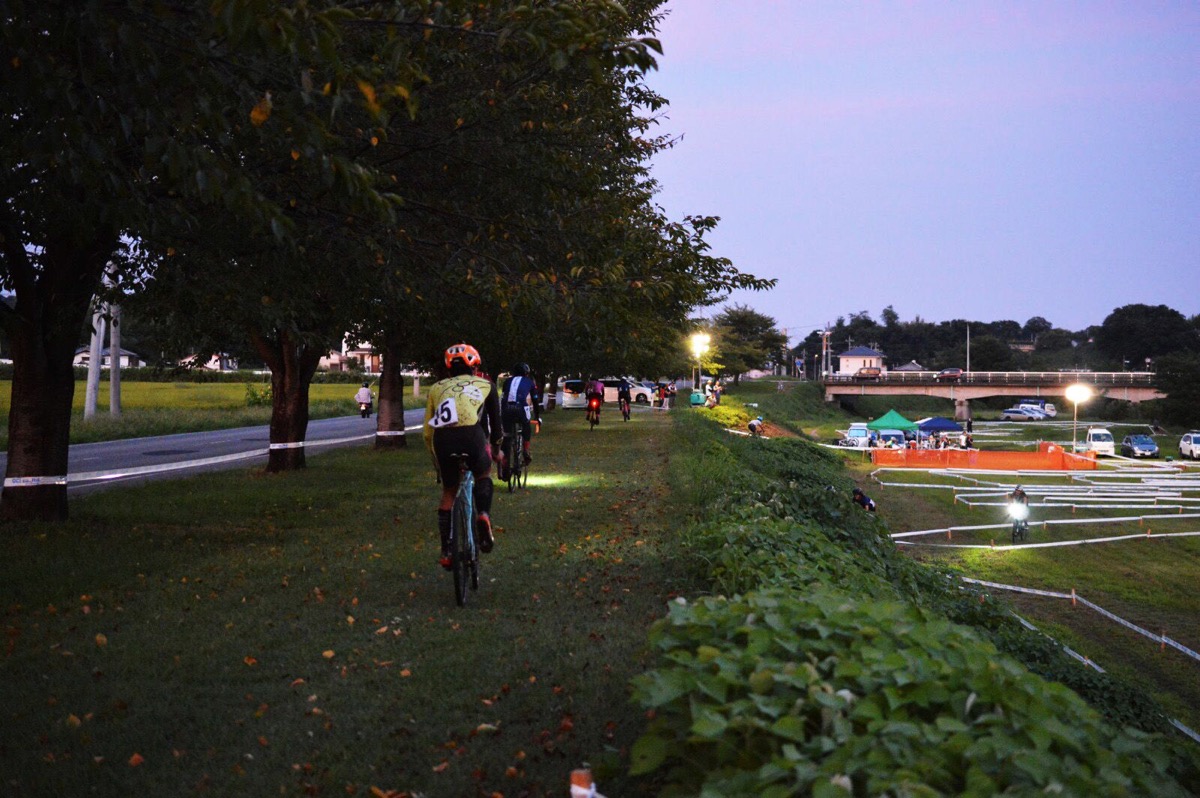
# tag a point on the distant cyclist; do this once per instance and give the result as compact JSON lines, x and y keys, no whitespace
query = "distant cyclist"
{"x":519,"y":406}
{"x":459,"y":414}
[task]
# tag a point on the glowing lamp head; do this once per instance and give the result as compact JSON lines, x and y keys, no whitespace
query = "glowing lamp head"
{"x":1078,"y":393}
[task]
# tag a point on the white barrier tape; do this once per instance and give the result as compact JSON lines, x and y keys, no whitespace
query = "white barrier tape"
{"x":1076,"y":655}
{"x":33,"y":482}
{"x":389,"y":433}
{"x":1144,"y":632}
{"x":1049,"y":522}
{"x":1134,"y":627}
{"x":1048,"y":545}
{"x":1195,"y":737}
{"x":1015,"y":588}
{"x":98,"y":476}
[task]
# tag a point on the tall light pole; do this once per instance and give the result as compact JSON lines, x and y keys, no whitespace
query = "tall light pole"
{"x":1075,"y":394}
{"x":699,"y":347}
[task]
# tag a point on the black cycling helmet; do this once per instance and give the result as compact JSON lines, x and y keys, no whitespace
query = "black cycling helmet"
{"x":366,"y":385}
{"x":856,"y":491}
{"x":521,"y":369}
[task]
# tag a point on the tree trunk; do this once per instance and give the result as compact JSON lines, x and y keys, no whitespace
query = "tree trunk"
{"x":44,"y":325}
{"x":389,"y":433}
{"x":292,"y":368}
{"x":114,"y":363}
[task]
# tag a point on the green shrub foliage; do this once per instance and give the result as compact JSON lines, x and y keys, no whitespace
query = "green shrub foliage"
{"x":841,"y":667}
{"x":773,"y":694}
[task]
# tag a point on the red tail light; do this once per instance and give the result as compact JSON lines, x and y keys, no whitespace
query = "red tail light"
{"x":594,"y":404}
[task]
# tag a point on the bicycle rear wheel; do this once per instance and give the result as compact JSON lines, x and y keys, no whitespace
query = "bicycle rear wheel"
{"x":463,"y":535}
{"x":517,"y":467}
{"x":512,"y":448}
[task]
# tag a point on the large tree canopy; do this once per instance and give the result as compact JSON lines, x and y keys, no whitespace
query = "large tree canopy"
{"x":1133,"y":333}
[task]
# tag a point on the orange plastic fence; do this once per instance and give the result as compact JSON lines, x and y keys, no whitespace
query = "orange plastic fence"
{"x":1049,"y":457}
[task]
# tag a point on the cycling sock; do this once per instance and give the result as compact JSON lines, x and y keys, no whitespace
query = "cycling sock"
{"x":483,"y":495}
{"x":444,"y":528}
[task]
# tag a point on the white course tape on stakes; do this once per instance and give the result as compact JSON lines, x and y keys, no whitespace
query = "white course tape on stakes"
{"x":1050,"y":545}
{"x":1086,"y":661}
{"x":1162,"y":639}
{"x":135,"y":471}
{"x":33,"y":482}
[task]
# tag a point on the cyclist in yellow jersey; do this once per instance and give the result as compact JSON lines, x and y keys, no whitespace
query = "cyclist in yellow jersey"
{"x":461,"y":414}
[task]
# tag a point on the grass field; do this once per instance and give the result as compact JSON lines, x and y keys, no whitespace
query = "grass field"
{"x":243,"y":634}
{"x":164,"y":408}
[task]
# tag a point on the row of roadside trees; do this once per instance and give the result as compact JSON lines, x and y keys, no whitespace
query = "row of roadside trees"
{"x":413,"y":172}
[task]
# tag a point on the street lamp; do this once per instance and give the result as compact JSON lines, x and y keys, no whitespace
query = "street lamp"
{"x":699,"y":347}
{"x":1075,"y":394}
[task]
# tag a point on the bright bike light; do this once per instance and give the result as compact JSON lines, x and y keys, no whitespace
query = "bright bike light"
{"x":1018,"y":510}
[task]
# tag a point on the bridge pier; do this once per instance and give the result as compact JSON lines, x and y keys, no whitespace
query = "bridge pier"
{"x":962,"y":409}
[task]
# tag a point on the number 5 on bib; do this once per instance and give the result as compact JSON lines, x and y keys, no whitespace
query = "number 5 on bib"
{"x":445,"y":414}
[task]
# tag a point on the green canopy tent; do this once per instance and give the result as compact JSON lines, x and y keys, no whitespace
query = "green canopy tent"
{"x":892,"y":420}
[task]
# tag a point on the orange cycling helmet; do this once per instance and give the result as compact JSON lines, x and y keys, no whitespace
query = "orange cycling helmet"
{"x":464,"y":352}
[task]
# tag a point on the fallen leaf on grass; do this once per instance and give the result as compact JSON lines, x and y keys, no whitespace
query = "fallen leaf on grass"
{"x":350,"y":619}
{"x":101,"y":640}
{"x":327,"y":653}
{"x":297,"y":682}
{"x":136,"y":760}
{"x":251,"y":661}
{"x":439,"y":768}
{"x":73,"y":721}
{"x":406,"y":673}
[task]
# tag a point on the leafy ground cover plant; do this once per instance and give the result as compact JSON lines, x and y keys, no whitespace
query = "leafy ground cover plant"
{"x":781,"y":520}
{"x":768,"y":694}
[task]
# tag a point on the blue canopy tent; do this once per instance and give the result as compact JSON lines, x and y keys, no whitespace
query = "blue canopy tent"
{"x":937,"y":424}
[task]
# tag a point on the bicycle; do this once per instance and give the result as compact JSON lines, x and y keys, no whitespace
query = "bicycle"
{"x":464,"y":550}
{"x":593,"y":412}
{"x":1020,"y":524}
{"x":624,"y":405}
{"x":516,"y":473}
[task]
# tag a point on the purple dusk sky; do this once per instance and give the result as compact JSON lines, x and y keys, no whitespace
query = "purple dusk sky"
{"x":977,"y":160}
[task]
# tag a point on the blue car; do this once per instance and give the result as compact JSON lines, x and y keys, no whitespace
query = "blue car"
{"x":1139,"y":446}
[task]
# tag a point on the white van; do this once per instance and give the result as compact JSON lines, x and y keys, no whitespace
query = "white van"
{"x":857,"y":436}
{"x":1100,"y":441}
{"x":1045,"y":407}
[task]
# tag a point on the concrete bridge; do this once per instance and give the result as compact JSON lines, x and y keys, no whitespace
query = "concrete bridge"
{"x":1129,"y":386}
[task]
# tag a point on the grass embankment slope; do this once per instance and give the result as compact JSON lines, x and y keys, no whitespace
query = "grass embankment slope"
{"x":841,"y":666}
{"x":165,"y":408}
{"x":1149,"y":582}
{"x":241,"y":634}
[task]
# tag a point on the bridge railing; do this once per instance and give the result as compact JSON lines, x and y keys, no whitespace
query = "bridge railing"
{"x":1035,"y":378}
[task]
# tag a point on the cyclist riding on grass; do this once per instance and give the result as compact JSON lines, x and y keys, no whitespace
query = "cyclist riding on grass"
{"x":518,"y":406}
{"x":460,"y":412}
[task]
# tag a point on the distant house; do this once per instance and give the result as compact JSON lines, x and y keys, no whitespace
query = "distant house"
{"x":1023,"y":346}
{"x":218,"y":362}
{"x":860,"y":357}
{"x":126,"y":360}
{"x":362,"y":355}
{"x":911,"y":365}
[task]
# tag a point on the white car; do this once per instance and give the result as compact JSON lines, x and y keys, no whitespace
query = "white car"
{"x":857,"y":436}
{"x":1022,"y":413}
{"x":1189,"y":445}
{"x":1100,"y":441}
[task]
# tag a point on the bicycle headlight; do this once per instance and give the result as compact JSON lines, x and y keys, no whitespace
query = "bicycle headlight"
{"x":1018,"y":510}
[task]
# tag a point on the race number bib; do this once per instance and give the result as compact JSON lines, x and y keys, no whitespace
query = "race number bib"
{"x":445,"y":414}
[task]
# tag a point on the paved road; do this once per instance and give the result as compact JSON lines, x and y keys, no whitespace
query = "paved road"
{"x":96,"y":465}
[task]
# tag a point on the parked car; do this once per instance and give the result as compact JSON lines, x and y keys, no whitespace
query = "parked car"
{"x":868,"y":373}
{"x":571,"y":394}
{"x":949,"y":375}
{"x":857,"y":436}
{"x":1022,"y":414}
{"x":1100,"y":441}
{"x":638,"y":392}
{"x":1045,"y":407}
{"x":891,"y":437}
{"x":1189,"y":445}
{"x":1139,"y":446}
